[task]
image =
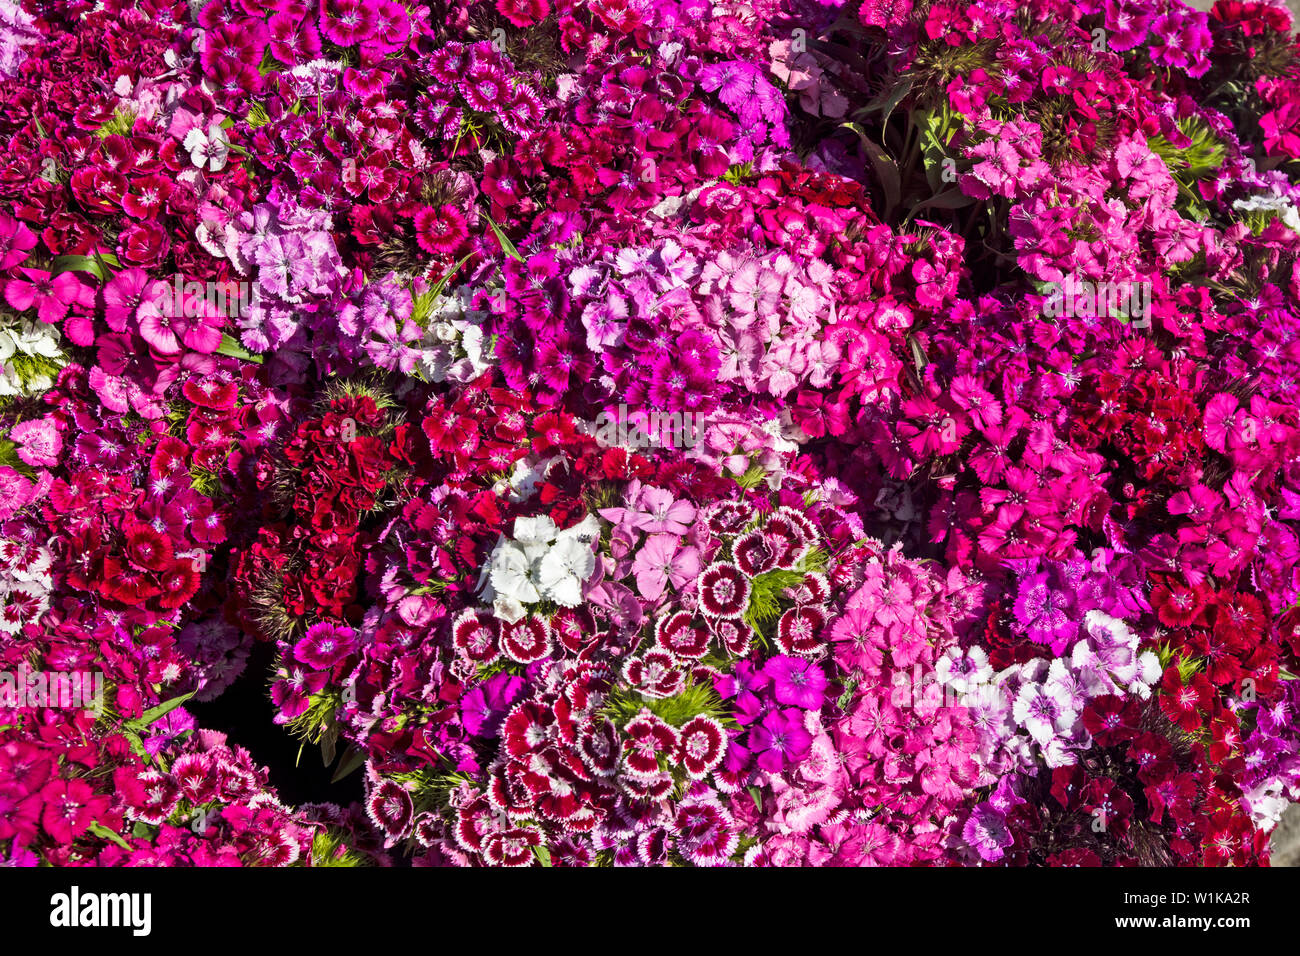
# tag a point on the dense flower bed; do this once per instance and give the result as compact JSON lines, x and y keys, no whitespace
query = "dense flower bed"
{"x":651,"y":432}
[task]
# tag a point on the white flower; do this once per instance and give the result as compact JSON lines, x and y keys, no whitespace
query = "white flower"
{"x":511,"y":574}
{"x":508,"y":610}
{"x":539,"y":529}
{"x":1148,"y":674}
{"x":963,"y":670}
{"x":525,"y":479}
{"x":35,"y":339}
{"x":10,"y":383}
{"x":563,"y":569}
{"x":587,"y":530}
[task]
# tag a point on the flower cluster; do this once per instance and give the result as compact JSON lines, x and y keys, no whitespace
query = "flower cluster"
{"x":649,"y":432}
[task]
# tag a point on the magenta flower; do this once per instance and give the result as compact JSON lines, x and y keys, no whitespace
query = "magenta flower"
{"x":780,"y":740}
{"x":16,"y":241}
{"x":797,"y":682}
{"x":71,"y":806}
{"x":986,"y":832}
{"x":483,"y":707}
{"x":51,"y":296}
{"x":324,"y":645}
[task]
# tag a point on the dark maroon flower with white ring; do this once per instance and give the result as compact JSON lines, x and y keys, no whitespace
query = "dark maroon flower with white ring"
{"x":509,"y":795}
{"x":799,"y":630}
{"x":598,"y":749}
{"x":475,"y":822}
{"x":724,"y":591}
{"x":652,"y":847}
{"x":649,"y":788}
{"x":528,"y":728}
{"x":807,"y":527}
{"x":149,"y":796}
{"x":728,"y":517}
{"x":196,"y":776}
{"x":526,"y":640}
{"x":786,"y":540}
{"x":814,"y":589}
{"x":391,"y":809}
{"x":704,"y":744}
{"x":477,"y":634}
{"x":705,"y":835}
{"x":575,"y":628}
{"x":513,"y":847}
{"x":426,"y":829}
{"x":753,"y":553}
{"x":679,"y":637}
{"x":656,"y":674}
{"x":736,"y":636}
{"x":646,"y":739}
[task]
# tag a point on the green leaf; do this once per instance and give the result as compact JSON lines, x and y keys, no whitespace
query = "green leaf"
{"x":891,"y":180}
{"x":157,"y":713}
{"x":543,"y":855}
{"x":95,"y":265}
{"x":102,"y":831}
{"x":949,"y":199}
{"x":231,"y":347}
{"x":137,"y":745}
{"x":507,"y":246}
{"x":442,"y":283}
{"x":918,"y":356}
{"x":935,"y":132}
{"x":753,"y":476}
{"x":888,"y":101}
{"x":353,"y":758}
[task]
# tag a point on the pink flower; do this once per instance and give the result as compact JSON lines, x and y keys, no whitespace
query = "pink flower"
{"x":659,"y":513}
{"x":70,"y":808}
{"x":39,"y":441}
{"x":15,"y":492}
{"x":797,"y":682}
{"x":51,"y":296}
{"x":16,"y":241}
{"x":662,"y":559}
{"x":324,"y":645}
{"x":438,"y":231}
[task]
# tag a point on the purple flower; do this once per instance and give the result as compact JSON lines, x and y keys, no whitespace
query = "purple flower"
{"x":795,"y":681}
{"x":780,"y":740}
{"x":986,"y":832}
{"x":483,"y":707}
